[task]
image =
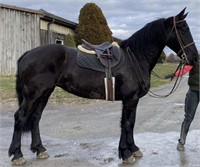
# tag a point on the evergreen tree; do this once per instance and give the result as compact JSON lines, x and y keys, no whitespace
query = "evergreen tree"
{"x":92,"y":25}
{"x":69,"y":41}
{"x":162,"y":57}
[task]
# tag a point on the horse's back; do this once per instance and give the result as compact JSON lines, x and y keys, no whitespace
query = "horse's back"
{"x":44,"y":64}
{"x":45,"y":57}
{"x":46,"y":52}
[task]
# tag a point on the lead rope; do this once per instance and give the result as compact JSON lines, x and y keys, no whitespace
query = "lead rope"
{"x":140,"y":77}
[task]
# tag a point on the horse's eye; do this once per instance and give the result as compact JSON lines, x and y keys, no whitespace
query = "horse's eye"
{"x":186,"y":29}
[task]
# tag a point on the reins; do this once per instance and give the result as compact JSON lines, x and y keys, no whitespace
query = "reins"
{"x":156,"y":75}
{"x":183,"y":56}
{"x":141,"y":79}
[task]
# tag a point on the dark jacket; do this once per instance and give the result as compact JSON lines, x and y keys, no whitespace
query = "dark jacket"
{"x":193,"y":80}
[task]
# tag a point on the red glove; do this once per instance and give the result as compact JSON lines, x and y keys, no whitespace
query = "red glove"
{"x":183,"y":71}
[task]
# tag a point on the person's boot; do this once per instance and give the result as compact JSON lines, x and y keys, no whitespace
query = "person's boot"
{"x":184,"y":130}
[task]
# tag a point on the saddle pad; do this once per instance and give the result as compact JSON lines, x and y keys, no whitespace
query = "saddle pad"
{"x":98,"y":64}
{"x":89,"y":61}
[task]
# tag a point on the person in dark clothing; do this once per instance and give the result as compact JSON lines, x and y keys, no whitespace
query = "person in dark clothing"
{"x":191,"y":104}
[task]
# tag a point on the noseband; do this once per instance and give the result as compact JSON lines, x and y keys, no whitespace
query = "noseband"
{"x":181,"y":44}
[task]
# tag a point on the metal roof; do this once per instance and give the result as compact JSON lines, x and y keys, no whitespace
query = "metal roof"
{"x":46,"y":16}
{"x":43,"y":15}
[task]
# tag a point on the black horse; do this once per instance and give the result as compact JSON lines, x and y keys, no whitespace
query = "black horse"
{"x":41,"y":69}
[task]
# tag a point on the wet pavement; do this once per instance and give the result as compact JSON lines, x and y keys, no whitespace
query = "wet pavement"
{"x":87,"y":135}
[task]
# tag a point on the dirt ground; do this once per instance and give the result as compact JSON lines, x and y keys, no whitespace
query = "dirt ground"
{"x":87,"y":135}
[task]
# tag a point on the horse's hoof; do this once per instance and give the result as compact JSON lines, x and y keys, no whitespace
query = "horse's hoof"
{"x":43,"y":155}
{"x":137,"y":154}
{"x":19,"y":161}
{"x":129,"y":160}
{"x":180,"y":147}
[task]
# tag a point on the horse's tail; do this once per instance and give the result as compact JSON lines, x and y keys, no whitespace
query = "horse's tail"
{"x":19,"y":91}
{"x":18,"y":82}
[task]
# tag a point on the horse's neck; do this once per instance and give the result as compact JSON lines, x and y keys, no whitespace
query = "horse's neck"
{"x":148,"y":56}
{"x":147,"y":44}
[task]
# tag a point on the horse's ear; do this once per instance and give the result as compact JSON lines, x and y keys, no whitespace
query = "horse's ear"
{"x":181,"y":15}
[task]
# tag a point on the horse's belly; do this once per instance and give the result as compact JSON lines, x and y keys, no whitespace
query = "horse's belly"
{"x":89,"y":91}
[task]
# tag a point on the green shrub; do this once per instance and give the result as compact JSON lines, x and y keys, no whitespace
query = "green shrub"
{"x":69,"y":41}
{"x":92,"y":25}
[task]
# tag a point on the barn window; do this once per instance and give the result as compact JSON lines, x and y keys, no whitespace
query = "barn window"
{"x":59,"y":41}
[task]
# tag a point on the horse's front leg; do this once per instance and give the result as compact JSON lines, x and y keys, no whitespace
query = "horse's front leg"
{"x":127,"y":147}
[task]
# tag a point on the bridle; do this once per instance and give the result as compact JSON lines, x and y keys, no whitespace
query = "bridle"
{"x":183,"y":62}
{"x":183,"y":56}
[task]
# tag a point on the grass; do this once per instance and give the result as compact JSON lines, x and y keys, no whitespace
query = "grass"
{"x":162,"y":70}
{"x":7,"y":92}
{"x":7,"y":86}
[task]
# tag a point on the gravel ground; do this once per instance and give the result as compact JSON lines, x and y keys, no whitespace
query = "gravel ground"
{"x":87,"y":135}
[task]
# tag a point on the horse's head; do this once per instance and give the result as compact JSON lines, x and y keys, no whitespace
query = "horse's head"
{"x":179,"y":38}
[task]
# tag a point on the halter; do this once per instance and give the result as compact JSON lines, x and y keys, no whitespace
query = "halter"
{"x":181,"y":44}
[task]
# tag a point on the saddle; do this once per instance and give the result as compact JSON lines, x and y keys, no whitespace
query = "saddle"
{"x":108,"y":56}
{"x":90,"y":46}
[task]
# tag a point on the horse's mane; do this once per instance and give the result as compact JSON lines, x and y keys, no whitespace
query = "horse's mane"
{"x":149,"y":34}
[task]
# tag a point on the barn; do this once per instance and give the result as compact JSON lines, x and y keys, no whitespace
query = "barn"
{"x":22,"y":29}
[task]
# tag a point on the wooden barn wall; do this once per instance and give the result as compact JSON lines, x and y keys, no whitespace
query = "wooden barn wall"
{"x":19,"y":32}
{"x":50,"y":38}
{"x":43,"y":37}
{"x":55,"y":32}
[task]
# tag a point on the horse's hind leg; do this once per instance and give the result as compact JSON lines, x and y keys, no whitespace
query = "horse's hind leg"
{"x":36,"y":145}
{"x":26,"y":120}
{"x":20,"y":116}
